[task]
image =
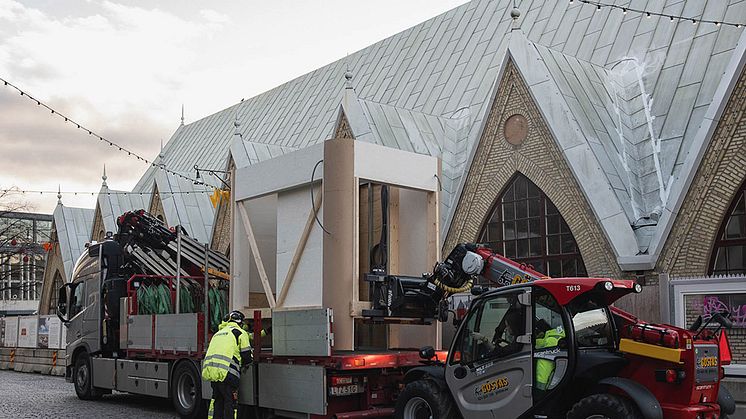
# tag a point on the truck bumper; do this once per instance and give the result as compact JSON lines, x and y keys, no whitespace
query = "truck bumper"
{"x":697,"y":411}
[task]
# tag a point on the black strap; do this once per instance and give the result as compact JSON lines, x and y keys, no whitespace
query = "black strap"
{"x":237,"y":334}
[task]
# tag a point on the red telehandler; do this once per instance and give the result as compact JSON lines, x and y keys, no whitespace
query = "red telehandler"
{"x":536,"y":347}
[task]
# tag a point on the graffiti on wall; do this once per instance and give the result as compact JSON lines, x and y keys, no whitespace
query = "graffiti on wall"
{"x":733,"y":303}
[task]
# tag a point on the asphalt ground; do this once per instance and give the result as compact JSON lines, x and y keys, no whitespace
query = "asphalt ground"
{"x":24,"y":395}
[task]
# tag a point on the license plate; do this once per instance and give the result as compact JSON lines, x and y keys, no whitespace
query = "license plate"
{"x":707,"y":369}
{"x":345,"y":390}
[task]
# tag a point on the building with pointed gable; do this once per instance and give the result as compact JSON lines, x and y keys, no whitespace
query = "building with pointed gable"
{"x":577,"y":139}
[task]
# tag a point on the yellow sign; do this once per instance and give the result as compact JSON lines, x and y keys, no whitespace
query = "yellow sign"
{"x":491,"y":387}
{"x":708,"y":361}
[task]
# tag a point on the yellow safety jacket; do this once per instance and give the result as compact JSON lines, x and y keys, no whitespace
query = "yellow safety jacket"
{"x":229,"y":345}
{"x":545,"y":367}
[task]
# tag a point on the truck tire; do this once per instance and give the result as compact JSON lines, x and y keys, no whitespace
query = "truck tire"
{"x":423,"y":399}
{"x":606,"y":406}
{"x":83,"y":378}
{"x":186,"y":393}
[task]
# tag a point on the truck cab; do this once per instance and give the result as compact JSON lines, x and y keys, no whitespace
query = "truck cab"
{"x":91,"y":326}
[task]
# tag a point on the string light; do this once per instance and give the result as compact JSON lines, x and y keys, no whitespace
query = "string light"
{"x":108,"y":193}
{"x":649,"y":14}
{"x":95,"y":135}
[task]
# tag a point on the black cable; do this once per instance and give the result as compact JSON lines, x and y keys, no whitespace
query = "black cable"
{"x":379,"y":252}
{"x":313,"y":206}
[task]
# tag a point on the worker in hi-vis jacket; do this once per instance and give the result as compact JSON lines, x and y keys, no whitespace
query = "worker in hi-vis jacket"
{"x":229,"y":351}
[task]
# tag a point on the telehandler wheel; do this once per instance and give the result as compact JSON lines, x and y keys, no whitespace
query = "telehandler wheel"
{"x":603,"y":406}
{"x":186,"y":393}
{"x":423,"y":399}
{"x":83,"y":378}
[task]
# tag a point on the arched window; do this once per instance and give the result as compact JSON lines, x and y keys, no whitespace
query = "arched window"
{"x":729,"y":253}
{"x":56,"y":285}
{"x":526,"y":226}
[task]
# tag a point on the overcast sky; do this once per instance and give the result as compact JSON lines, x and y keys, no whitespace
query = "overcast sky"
{"x":124,"y":69}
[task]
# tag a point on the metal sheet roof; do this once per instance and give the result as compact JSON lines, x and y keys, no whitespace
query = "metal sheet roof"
{"x":186,"y":204}
{"x":416,"y":132}
{"x":114,"y":203}
{"x":639,"y":90}
{"x":73,"y":227}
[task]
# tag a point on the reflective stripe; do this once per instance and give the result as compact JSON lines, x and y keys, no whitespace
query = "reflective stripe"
{"x":218,"y":356}
{"x":229,"y":369}
{"x":231,"y":361}
{"x":212,"y":409}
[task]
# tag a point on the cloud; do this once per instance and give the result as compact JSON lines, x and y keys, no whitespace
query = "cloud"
{"x":40,"y":151}
{"x":114,"y":69}
{"x":110,"y":56}
{"x":214,"y":17}
{"x":125,"y":68}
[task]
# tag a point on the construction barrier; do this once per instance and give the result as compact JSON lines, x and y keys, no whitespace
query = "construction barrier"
{"x":42,"y":361}
{"x":32,"y":344}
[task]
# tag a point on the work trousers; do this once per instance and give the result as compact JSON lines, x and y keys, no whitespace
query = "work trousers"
{"x":221,"y":406}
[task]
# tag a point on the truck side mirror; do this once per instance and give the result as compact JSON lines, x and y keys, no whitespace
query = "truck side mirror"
{"x":62,"y":303}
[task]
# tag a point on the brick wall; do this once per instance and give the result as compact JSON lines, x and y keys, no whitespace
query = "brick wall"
{"x":54,"y":265}
{"x":539,"y":159}
{"x":737,"y":339}
{"x":221,"y":233}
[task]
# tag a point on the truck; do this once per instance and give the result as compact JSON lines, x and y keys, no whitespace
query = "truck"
{"x":354,"y":324}
{"x":602,"y":362}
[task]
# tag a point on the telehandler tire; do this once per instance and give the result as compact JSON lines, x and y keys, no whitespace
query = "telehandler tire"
{"x":423,"y":399}
{"x":606,"y":406}
{"x":83,"y":378}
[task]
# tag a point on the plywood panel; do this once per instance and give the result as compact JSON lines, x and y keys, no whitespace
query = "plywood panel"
{"x":340,"y":271}
{"x":293,"y":211}
{"x":387,"y":165}
{"x":263,"y":215}
{"x":413,"y":213}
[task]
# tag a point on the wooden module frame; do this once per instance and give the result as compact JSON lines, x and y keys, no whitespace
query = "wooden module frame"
{"x":297,"y":276}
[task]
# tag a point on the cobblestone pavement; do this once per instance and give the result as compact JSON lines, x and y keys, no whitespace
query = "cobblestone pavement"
{"x":24,"y":395}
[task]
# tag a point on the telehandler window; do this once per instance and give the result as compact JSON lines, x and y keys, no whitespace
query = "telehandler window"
{"x":591,"y":323}
{"x":492,"y":330}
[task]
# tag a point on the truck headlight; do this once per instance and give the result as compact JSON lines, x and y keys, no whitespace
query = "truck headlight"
{"x":608,"y":286}
{"x":638,"y":288}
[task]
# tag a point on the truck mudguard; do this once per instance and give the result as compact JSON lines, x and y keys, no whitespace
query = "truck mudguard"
{"x":726,"y":401}
{"x":435,"y":373}
{"x":643,"y":398}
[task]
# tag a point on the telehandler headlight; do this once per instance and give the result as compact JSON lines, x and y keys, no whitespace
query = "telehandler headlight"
{"x":608,"y":286}
{"x":638,"y":288}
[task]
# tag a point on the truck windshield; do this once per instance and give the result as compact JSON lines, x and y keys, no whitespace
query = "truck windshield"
{"x":591,"y":323}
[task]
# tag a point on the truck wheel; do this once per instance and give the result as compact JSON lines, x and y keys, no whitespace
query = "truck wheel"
{"x":423,"y":399}
{"x":83,"y":378}
{"x":603,"y":406}
{"x":187,"y":391}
